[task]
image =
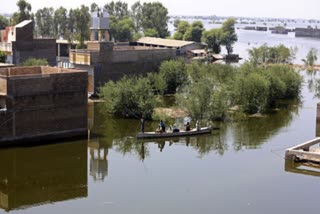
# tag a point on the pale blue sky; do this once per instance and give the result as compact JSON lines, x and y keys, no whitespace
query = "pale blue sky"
{"x":308,"y":9}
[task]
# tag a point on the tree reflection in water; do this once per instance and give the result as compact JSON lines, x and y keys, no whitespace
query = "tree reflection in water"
{"x":119,"y":134}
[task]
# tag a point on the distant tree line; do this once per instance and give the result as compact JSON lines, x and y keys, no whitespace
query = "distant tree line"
{"x":148,"y":19}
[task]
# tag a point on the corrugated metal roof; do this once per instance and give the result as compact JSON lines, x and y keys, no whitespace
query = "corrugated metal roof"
{"x":164,"y":42}
{"x":23,"y":23}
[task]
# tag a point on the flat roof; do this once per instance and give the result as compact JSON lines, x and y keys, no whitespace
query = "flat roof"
{"x":5,"y":65}
{"x":164,"y":42}
{"x":23,"y":23}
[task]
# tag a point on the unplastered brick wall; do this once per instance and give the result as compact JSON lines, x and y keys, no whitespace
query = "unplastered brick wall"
{"x":20,"y":71}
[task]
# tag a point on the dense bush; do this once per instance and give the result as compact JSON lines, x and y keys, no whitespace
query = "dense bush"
{"x":3,"y":56}
{"x":174,"y":74}
{"x":35,"y":62}
{"x":129,"y":97}
{"x":274,"y":55}
{"x":215,"y":88}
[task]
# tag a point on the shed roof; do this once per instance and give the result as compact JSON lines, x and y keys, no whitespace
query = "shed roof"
{"x":164,"y":42}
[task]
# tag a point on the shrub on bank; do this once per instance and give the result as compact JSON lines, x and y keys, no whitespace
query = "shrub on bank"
{"x":129,"y":97}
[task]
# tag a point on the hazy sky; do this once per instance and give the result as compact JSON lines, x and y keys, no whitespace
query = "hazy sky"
{"x":308,"y":9}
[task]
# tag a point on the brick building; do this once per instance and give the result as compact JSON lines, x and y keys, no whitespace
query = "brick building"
{"x":19,"y":44}
{"x":42,"y":103}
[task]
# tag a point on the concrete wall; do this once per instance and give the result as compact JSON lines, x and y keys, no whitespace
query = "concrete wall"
{"x":45,"y":105}
{"x":118,"y":63}
{"x":37,"y":48}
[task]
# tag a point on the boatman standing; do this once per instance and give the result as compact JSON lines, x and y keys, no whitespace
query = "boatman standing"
{"x":142,"y":123}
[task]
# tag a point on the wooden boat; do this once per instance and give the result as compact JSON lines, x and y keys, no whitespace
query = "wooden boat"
{"x":204,"y":130}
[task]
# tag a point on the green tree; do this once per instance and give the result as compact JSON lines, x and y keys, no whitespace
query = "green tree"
{"x":35,"y":62}
{"x":3,"y":57}
{"x":182,"y":27}
{"x":274,"y":55}
{"x":94,"y":7}
{"x":252,"y":92}
{"x":125,"y":30}
{"x":311,"y":57}
{"x":155,"y":16}
{"x":24,"y":12}
{"x":229,"y":36}
{"x":188,"y":35}
{"x":60,"y":22}
{"x":44,"y":21}
{"x":129,"y":97}
{"x":117,"y":9}
{"x":178,"y":36}
{"x":151,"y":32}
{"x":82,"y":23}
{"x":196,"y":31}
{"x":136,"y":13}
{"x":176,"y":23}
{"x":4,"y":22}
{"x":174,"y":73}
{"x":213,"y":39}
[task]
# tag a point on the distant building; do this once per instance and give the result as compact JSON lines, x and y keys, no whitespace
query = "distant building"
{"x":19,"y":44}
{"x":42,"y":103}
{"x":308,"y":32}
{"x":106,"y":61}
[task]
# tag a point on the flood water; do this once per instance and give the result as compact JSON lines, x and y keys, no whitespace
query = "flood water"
{"x":238,"y":169}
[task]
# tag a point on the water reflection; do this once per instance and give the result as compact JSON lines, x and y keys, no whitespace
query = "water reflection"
{"x":98,"y":160}
{"x":252,"y":133}
{"x":44,"y":174}
{"x":302,"y":168}
{"x":119,"y":134}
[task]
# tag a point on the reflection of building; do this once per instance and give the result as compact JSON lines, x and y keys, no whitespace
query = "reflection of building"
{"x":44,"y":174}
{"x":42,"y":103}
{"x":19,"y":44}
{"x":302,"y":168}
{"x":98,"y":161}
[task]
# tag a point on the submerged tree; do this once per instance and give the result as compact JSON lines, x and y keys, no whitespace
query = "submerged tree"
{"x":229,"y":36}
{"x":129,"y":97}
{"x":311,"y":57}
{"x":213,"y":39}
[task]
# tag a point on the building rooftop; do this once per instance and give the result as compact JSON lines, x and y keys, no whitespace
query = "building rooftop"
{"x":23,"y":23}
{"x":164,"y":42}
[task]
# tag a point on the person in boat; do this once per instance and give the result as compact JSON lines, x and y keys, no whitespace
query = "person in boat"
{"x":174,"y":128}
{"x":197,"y":125}
{"x":188,"y":128}
{"x":162,"y":126}
{"x":142,"y":123}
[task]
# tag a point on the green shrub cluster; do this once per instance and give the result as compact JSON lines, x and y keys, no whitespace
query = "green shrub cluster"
{"x":216,"y":88}
{"x":206,"y":91}
{"x":35,"y":62}
{"x":272,"y":55}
